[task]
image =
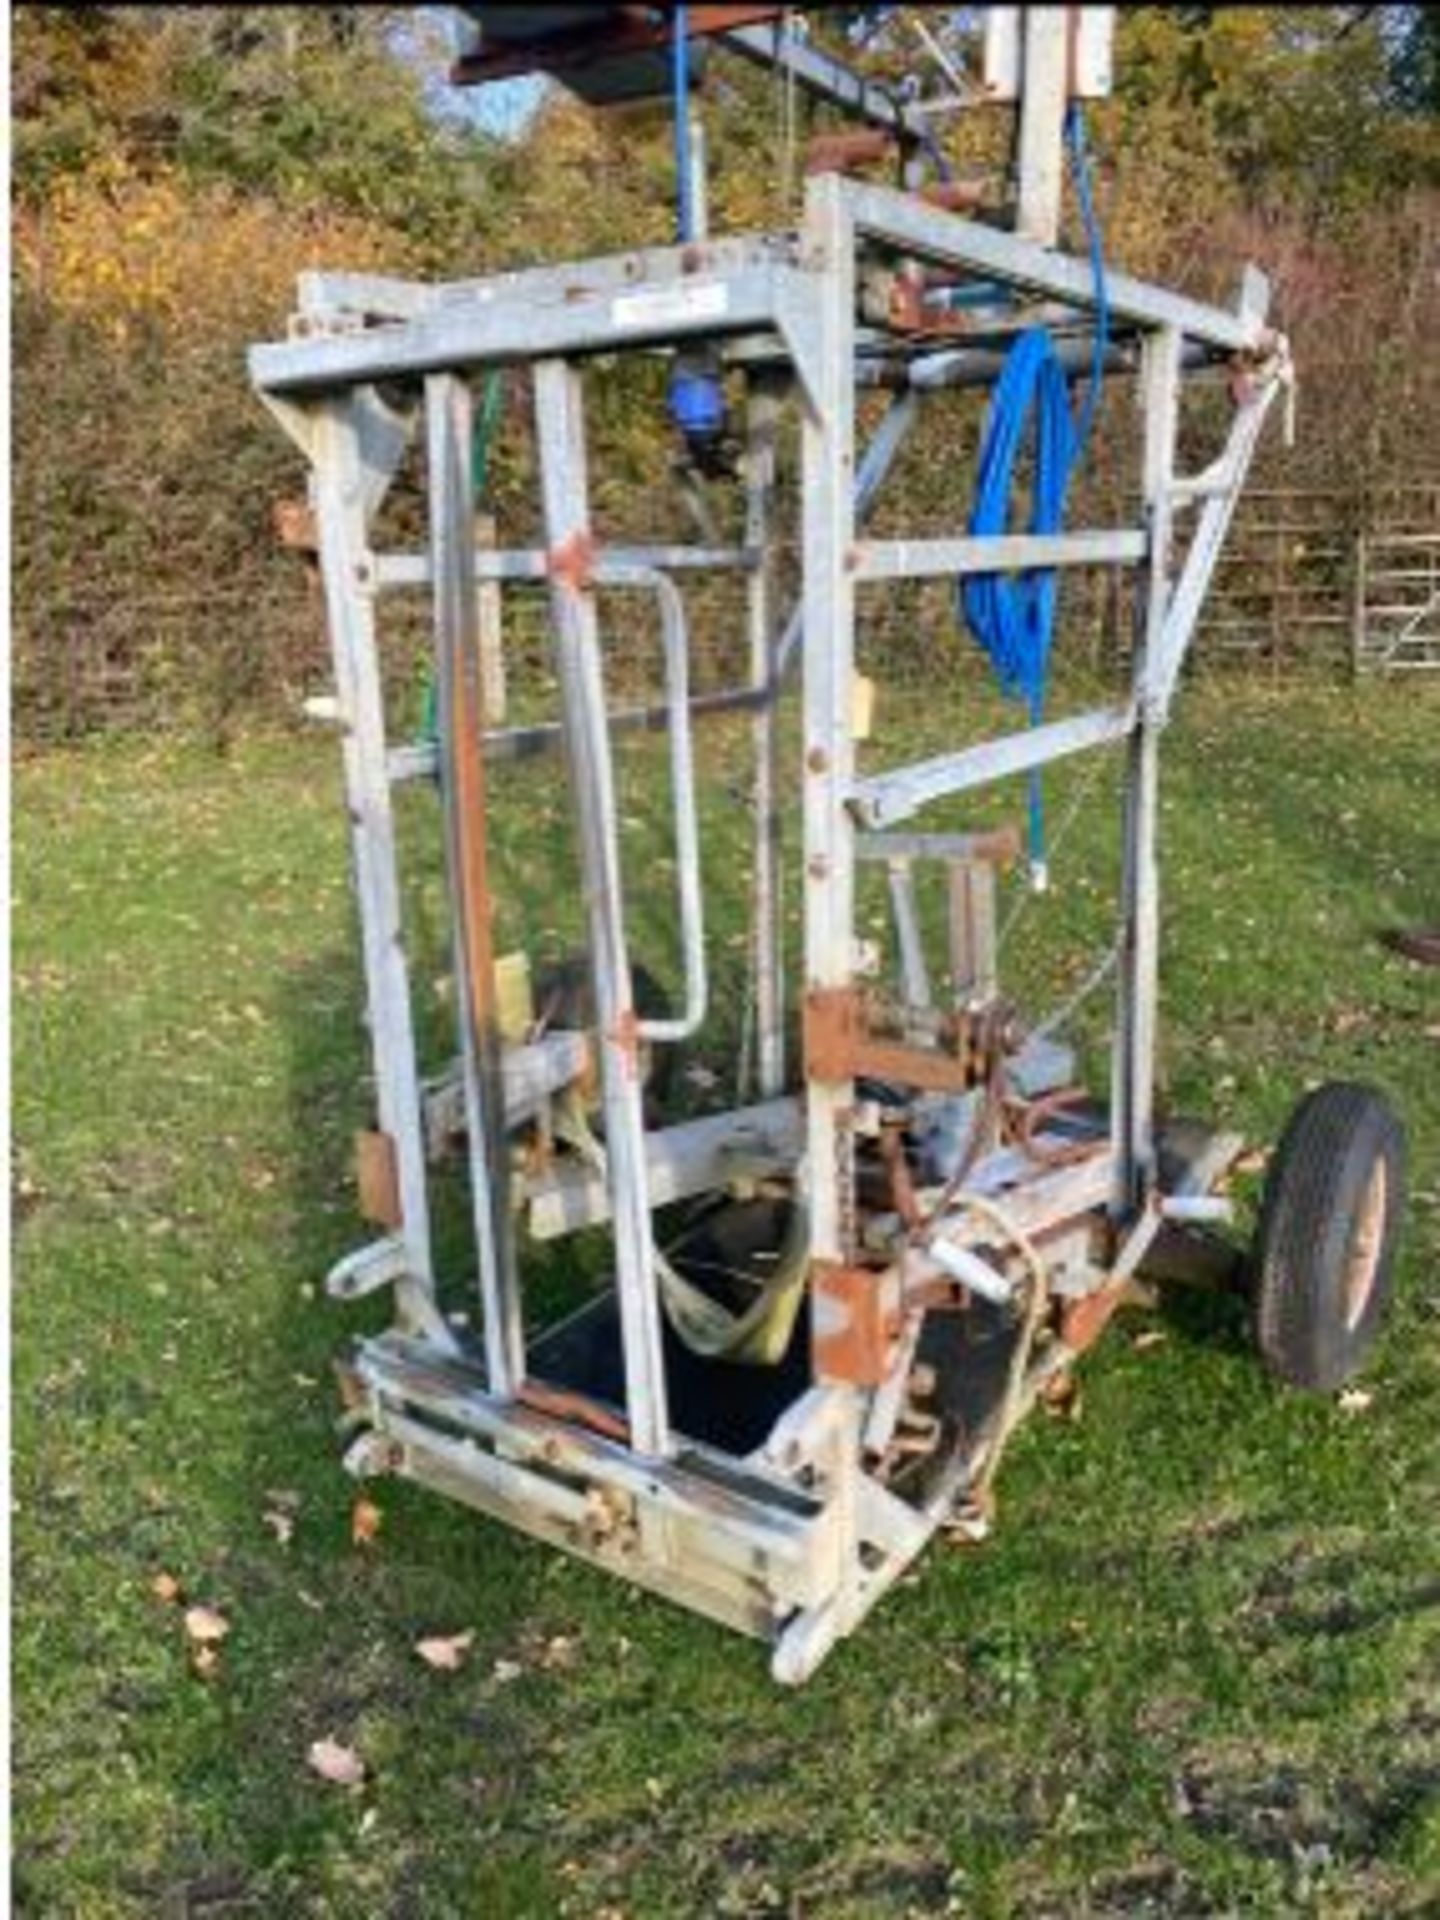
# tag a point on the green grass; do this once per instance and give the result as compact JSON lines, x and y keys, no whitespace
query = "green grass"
{"x":1194,"y":1671}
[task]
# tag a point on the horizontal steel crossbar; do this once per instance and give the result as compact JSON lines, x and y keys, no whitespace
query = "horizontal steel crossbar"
{"x":996,"y":553}
{"x":533,"y":563}
{"x":326,"y":295}
{"x":884,"y":214}
{"x":886,"y":797}
{"x":515,"y":330}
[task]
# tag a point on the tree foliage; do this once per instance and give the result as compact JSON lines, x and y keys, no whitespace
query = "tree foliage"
{"x":309,"y":106}
{"x":175,"y":168}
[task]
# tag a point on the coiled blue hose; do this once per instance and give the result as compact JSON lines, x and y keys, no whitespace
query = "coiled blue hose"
{"x":1013,"y":615}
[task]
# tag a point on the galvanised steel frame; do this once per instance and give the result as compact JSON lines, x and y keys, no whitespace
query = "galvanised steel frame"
{"x":795,"y":1539}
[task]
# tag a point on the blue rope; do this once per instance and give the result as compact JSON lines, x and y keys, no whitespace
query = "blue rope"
{"x":1013,"y":615}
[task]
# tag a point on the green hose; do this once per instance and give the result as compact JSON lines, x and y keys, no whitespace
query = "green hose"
{"x":486,"y":423}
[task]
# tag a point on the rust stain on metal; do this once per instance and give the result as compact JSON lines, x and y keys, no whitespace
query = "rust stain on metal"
{"x":632,"y":29}
{"x":855,"y":1323}
{"x":840,"y":1045}
{"x":1083,"y":1321}
{"x":294,"y":525}
{"x":902,"y":1187}
{"x":572,"y":562}
{"x":475,"y":902}
{"x":625,"y":1035}
{"x":377,"y":1175}
{"x":1031,"y":1115}
{"x":908,"y":311}
{"x":353,"y":1393}
{"x":954,"y":196}
{"x":565,"y":1403}
{"x":839,"y":152}
{"x":1000,"y":846}
{"x":936,"y":1294}
{"x":830,"y":1020}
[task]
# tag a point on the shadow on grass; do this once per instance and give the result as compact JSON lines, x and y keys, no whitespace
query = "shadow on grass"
{"x":1217,"y":1318}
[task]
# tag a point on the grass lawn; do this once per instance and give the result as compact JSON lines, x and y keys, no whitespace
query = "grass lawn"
{"x":1196,"y":1670}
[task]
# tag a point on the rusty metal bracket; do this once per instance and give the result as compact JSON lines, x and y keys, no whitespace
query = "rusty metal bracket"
{"x":567,"y":1403}
{"x":839,"y":152}
{"x":840,"y":1044}
{"x":572,"y":561}
{"x":857,"y":1317}
{"x":378,"y":1177}
{"x":294,"y":526}
{"x":1083,"y":1321}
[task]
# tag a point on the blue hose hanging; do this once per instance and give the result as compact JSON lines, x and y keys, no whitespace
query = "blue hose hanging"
{"x":680,"y":86}
{"x":697,"y":390}
{"x":1013,"y":615}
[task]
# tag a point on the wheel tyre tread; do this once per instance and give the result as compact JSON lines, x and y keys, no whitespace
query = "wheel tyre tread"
{"x":1316,"y":1179}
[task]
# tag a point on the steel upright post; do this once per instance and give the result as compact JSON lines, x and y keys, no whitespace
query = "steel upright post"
{"x":1133,"y":1117}
{"x":561,"y":433}
{"x":829,"y":665}
{"x":762,"y":424}
{"x":340,"y":491}
{"x":459,"y":678}
{"x":1046,"y":57}
{"x":828,"y":603}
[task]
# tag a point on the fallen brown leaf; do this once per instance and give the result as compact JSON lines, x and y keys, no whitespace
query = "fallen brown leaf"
{"x":507,"y":1670}
{"x":1152,"y":1337}
{"x":207,"y":1626}
{"x":1062,"y":1396}
{"x":205,"y":1660}
{"x":365,"y":1519}
{"x":166,"y":1588}
{"x":341,"y":1766}
{"x":445,"y":1652}
{"x":279,"y":1516}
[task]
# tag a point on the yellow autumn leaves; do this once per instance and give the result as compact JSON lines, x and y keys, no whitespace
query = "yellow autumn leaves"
{"x":131,"y":251}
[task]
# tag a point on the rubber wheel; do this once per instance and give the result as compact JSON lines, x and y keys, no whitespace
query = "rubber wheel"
{"x":1324,"y":1253}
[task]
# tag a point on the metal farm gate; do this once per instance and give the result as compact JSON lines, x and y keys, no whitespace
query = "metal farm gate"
{"x":1397,"y":602}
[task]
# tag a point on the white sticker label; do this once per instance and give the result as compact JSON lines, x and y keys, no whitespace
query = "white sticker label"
{"x":659,"y":306}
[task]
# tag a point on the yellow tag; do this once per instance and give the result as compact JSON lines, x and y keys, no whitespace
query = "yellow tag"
{"x":514,"y":1001}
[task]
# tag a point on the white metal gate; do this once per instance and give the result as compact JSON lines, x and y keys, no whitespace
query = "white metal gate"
{"x":1397,"y":602}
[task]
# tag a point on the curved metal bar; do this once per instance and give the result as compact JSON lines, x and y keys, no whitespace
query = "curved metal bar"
{"x":675,"y":641}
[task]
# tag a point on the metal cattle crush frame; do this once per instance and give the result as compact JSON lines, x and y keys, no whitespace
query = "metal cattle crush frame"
{"x":936,"y":1301}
